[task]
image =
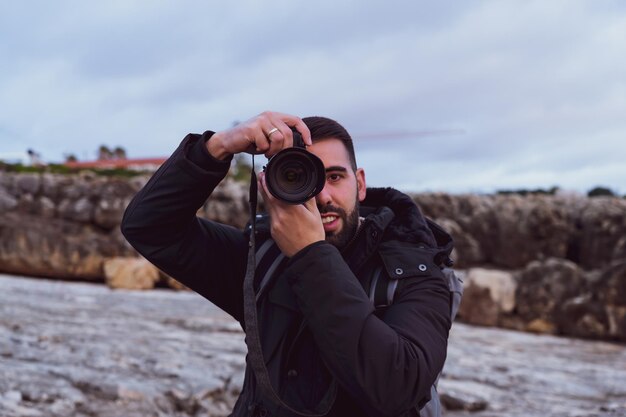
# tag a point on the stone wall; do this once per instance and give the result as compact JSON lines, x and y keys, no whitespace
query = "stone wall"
{"x":548,"y":264}
{"x":509,"y":231}
{"x":67,"y":226}
{"x":554,"y":264}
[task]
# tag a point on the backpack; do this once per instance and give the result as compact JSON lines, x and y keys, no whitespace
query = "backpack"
{"x":382,"y":292}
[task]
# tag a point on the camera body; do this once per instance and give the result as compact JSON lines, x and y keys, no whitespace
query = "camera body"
{"x":295,"y":175}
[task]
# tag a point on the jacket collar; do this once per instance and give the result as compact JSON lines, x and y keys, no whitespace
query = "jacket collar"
{"x":398,"y":215}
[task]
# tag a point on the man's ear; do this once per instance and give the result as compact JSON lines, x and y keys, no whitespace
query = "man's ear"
{"x":360,"y":183}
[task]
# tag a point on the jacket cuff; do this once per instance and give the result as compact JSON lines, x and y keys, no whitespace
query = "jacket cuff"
{"x":196,"y":160}
{"x":199,"y":154}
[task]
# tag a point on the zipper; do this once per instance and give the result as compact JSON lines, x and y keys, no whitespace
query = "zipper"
{"x":354,"y":238}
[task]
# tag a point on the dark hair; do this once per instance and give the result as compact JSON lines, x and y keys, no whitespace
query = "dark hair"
{"x":325,"y":128}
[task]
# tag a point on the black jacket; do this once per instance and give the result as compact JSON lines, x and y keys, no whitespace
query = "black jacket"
{"x":318,"y":327}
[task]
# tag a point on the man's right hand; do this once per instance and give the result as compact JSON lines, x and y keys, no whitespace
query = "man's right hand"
{"x":268,"y":133}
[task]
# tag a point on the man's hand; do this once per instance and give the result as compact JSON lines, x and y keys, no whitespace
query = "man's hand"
{"x":293,"y":227}
{"x":267,"y":133}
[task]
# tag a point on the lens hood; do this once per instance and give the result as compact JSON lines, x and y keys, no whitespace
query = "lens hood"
{"x":295,"y":175}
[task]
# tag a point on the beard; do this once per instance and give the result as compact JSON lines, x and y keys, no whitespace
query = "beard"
{"x":350,"y":222}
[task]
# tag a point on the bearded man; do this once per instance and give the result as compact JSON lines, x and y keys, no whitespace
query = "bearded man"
{"x":334,"y":340}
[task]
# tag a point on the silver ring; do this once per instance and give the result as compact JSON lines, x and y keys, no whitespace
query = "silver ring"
{"x":272,"y":131}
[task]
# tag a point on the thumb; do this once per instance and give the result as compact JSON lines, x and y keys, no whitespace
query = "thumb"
{"x":311,"y":205}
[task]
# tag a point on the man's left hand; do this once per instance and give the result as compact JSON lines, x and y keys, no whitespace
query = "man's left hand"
{"x":293,"y":227}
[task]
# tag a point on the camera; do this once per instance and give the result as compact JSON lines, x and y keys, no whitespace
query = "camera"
{"x":295,"y":175}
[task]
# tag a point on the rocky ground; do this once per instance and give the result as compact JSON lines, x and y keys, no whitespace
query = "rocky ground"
{"x":76,"y":349}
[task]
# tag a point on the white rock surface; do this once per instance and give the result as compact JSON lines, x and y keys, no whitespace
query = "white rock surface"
{"x":77,"y":349}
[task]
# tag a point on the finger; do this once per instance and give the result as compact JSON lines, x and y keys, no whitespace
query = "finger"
{"x":264,"y":193}
{"x":256,"y":135}
{"x":311,"y":205}
{"x":304,"y":131}
{"x":296,"y":122}
{"x":285,"y":132}
{"x":268,"y":198}
{"x":275,"y":139}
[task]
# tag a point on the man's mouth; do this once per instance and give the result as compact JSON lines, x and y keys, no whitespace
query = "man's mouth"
{"x":330,"y":222}
{"x":328,"y":219}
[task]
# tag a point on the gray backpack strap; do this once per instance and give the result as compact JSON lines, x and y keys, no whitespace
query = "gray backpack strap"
{"x":381,"y":293}
{"x":455,"y":284}
{"x":376,"y":283}
{"x":262,"y":250}
{"x":456,"y":290}
{"x":269,"y":274}
{"x":266,"y":275}
{"x":382,"y":288}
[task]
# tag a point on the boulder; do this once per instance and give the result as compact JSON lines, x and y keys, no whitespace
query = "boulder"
{"x":52,"y":184}
{"x":28,"y":183}
{"x":467,"y":250}
{"x":475,"y":218}
{"x":109,"y":211}
{"x":228,"y":204}
{"x":45,"y":207}
{"x":582,"y":316}
{"x":610,"y":290}
{"x":38,"y":246}
{"x":544,"y":287}
{"x":601,"y":227}
{"x":7,"y":201}
{"x":26,"y":204}
{"x":529,"y":228}
{"x":487,"y":295}
{"x":80,"y":210}
{"x":130,"y":273}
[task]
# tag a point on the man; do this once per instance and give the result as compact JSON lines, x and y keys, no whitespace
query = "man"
{"x":330,"y":333}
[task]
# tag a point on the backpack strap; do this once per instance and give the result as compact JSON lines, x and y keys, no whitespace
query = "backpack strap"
{"x":382,"y":290}
{"x":382,"y":293}
{"x":269,"y":273}
{"x":262,"y":251}
{"x":455,"y":284}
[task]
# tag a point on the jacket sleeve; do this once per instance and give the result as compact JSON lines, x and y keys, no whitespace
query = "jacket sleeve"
{"x":161,"y":224}
{"x":387,"y":364}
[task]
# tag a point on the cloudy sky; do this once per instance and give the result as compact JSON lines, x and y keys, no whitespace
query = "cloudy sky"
{"x":486,"y":95}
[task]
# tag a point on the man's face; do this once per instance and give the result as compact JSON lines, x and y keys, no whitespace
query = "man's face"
{"x":344,"y":189}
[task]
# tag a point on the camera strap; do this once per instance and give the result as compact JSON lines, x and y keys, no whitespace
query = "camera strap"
{"x":253,"y":341}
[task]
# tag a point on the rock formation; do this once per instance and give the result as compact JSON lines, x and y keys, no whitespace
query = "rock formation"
{"x":552,"y":264}
{"x":67,"y":226}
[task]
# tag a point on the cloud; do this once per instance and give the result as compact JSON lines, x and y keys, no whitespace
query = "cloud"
{"x":537,"y":87}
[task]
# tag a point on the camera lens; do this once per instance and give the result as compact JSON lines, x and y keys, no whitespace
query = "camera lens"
{"x":295,"y":175}
{"x":291,"y":176}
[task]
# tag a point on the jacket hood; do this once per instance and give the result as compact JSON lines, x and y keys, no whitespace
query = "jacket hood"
{"x":404,"y":220}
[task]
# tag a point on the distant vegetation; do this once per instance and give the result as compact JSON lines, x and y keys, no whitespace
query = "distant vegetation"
{"x":601,"y":191}
{"x":240,"y":170}
{"x":62,"y":169}
{"x":598,"y":191}
{"x":536,"y":191}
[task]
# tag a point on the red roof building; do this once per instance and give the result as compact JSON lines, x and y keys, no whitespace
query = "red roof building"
{"x":146,"y":164}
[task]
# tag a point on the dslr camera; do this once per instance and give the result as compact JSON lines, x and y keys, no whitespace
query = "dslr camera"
{"x":294,"y":175}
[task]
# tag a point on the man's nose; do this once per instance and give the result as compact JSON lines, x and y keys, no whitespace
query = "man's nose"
{"x":323,"y":198}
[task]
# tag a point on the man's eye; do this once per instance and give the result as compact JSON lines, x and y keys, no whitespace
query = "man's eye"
{"x":334,"y":177}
